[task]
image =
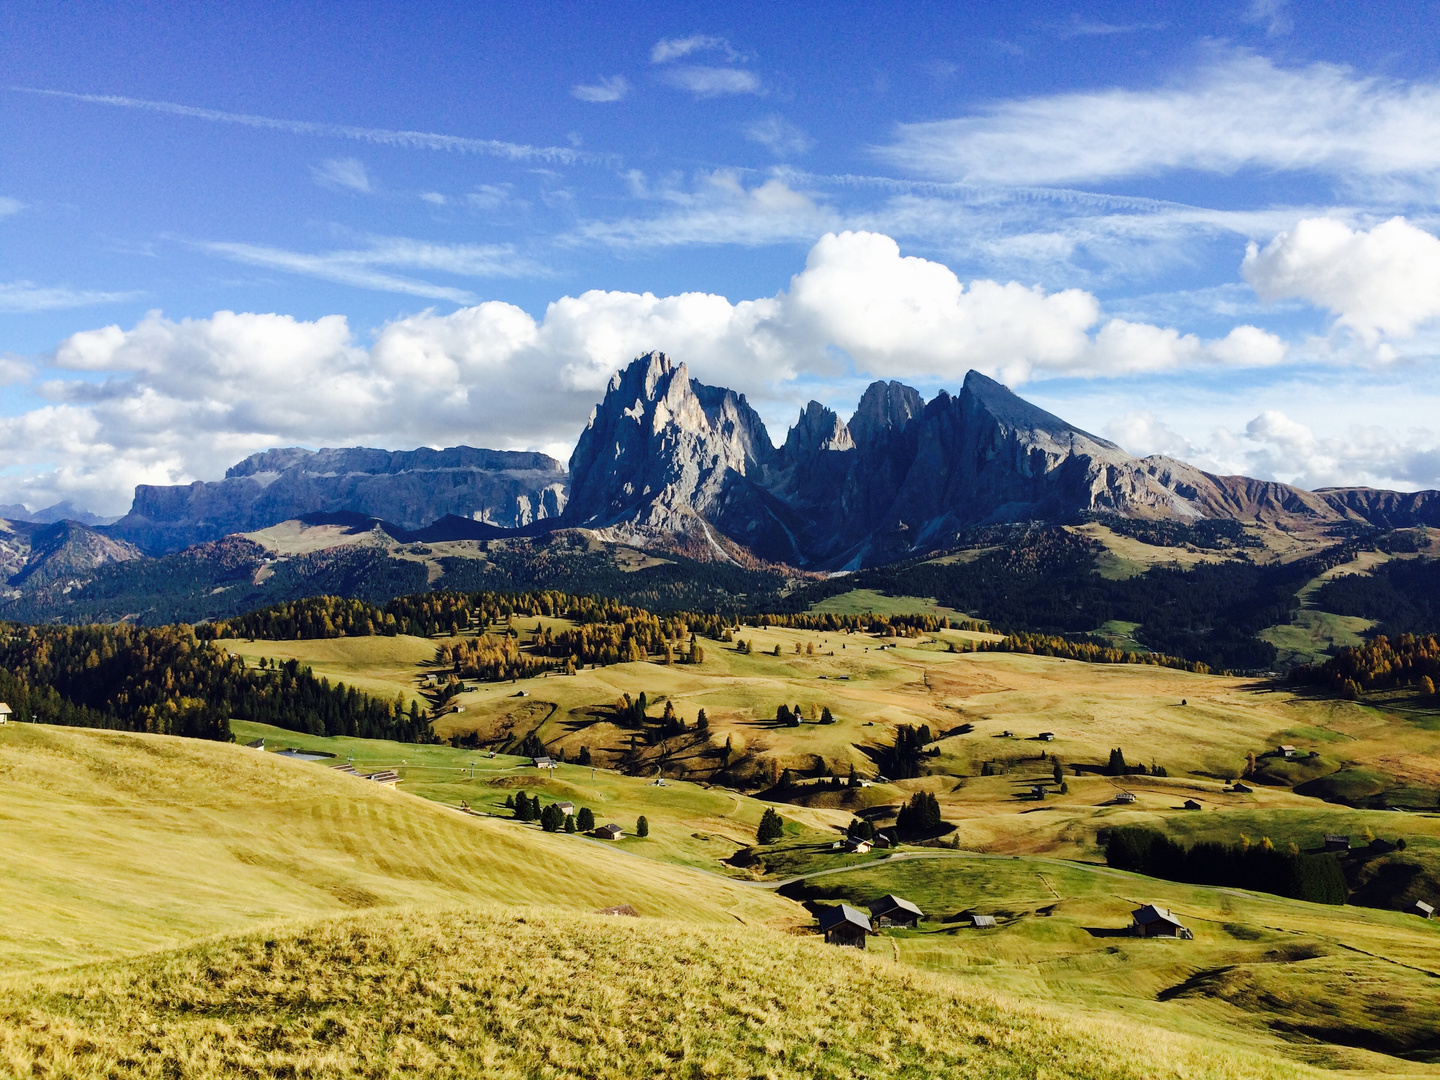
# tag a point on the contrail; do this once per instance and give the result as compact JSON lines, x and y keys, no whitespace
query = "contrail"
{"x":420,"y":140}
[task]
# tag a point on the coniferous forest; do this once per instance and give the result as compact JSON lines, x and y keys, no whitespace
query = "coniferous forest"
{"x":168,"y":681}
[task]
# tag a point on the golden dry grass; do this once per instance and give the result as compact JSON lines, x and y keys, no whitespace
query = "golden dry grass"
{"x":501,"y":992}
{"x":116,"y":843}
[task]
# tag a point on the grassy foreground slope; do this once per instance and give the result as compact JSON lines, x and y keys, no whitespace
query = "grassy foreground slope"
{"x":117,"y":843}
{"x":537,"y":993}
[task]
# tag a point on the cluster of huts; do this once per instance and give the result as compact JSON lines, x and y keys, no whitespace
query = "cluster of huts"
{"x":844,"y":925}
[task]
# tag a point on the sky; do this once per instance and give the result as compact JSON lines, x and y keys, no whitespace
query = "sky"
{"x":1205,"y":230}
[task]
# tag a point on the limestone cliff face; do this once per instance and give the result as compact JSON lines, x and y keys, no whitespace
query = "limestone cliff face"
{"x":666,"y":456}
{"x":411,"y":488}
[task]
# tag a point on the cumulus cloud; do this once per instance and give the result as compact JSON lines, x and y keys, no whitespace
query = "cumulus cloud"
{"x":342,"y":173}
{"x":779,"y":136}
{"x":167,"y":401}
{"x":1275,"y":446}
{"x":1242,"y":112}
{"x":1384,"y":282}
{"x":606,"y":89}
{"x":705,"y":82}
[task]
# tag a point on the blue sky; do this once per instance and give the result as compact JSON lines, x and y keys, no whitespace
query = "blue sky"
{"x":395,"y":225}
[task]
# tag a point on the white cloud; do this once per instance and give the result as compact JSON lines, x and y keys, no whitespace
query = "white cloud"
{"x":9,"y":206}
{"x":342,"y":173}
{"x":779,"y":136}
{"x":1273,"y":14}
{"x":1239,"y":113}
{"x":717,"y":209}
{"x":668,"y":49}
{"x":21,"y":297}
{"x":1143,"y":433}
{"x":415,"y":140}
{"x":1274,"y":446}
{"x":608,"y":88}
{"x":359,"y":266}
{"x":1384,"y":282}
{"x":434,"y":198}
{"x":708,"y":82}
{"x":168,"y":401}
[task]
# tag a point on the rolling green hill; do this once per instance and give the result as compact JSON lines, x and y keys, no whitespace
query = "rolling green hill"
{"x":520,"y":992}
{"x":119,"y":843}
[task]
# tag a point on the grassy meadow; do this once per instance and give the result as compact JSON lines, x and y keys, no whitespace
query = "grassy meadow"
{"x":184,"y":908}
{"x":514,"y":991}
{"x":118,"y":843}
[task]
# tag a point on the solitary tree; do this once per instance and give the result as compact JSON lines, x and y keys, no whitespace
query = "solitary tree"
{"x":585,"y":819}
{"x":702,"y":722}
{"x":1059,"y":775}
{"x":771,"y":827}
{"x":826,"y":716}
{"x":642,"y":826}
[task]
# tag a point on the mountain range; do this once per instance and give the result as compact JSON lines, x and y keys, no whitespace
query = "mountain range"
{"x":668,"y":463}
{"x":666,"y":458}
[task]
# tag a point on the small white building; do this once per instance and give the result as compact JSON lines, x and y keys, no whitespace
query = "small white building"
{"x":566,"y":808}
{"x":5,"y":713}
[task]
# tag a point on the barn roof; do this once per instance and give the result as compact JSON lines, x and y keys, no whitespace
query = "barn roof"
{"x":1148,"y":914}
{"x":982,"y":922}
{"x":831,"y":917}
{"x":890,"y":902}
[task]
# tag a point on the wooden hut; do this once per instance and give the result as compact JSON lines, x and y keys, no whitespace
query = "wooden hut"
{"x":1336,"y":842}
{"x":610,"y":832}
{"x":1152,"y":921}
{"x":983,"y":922}
{"x":843,"y":925}
{"x":1421,"y":908}
{"x":892,"y":910}
{"x":5,"y":713}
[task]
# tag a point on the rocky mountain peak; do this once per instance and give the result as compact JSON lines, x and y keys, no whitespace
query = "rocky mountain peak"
{"x":817,"y":429}
{"x":662,"y":449}
{"x":884,"y":408}
{"x":1014,"y":413}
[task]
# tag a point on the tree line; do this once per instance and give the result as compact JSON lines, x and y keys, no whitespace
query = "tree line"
{"x":169,"y":681}
{"x":1088,"y":650}
{"x":1260,"y":867}
{"x":1379,"y":664}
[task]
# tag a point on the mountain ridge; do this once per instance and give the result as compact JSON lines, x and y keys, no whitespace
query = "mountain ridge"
{"x":668,"y":462}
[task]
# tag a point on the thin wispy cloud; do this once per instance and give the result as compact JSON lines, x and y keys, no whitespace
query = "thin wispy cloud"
{"x":9,"y":206}
{"x":25,"y":297}
{"x":1273,"y":14}
{"x":347,"y":173}
{"x":667,"y":49}
{"x":415,"y":140}
{"x":1240,"y":113}
{"x":712,"y":81}
{"x":606,"y":89}
{"x":369,"y":267}
{"x":779,"y":136}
